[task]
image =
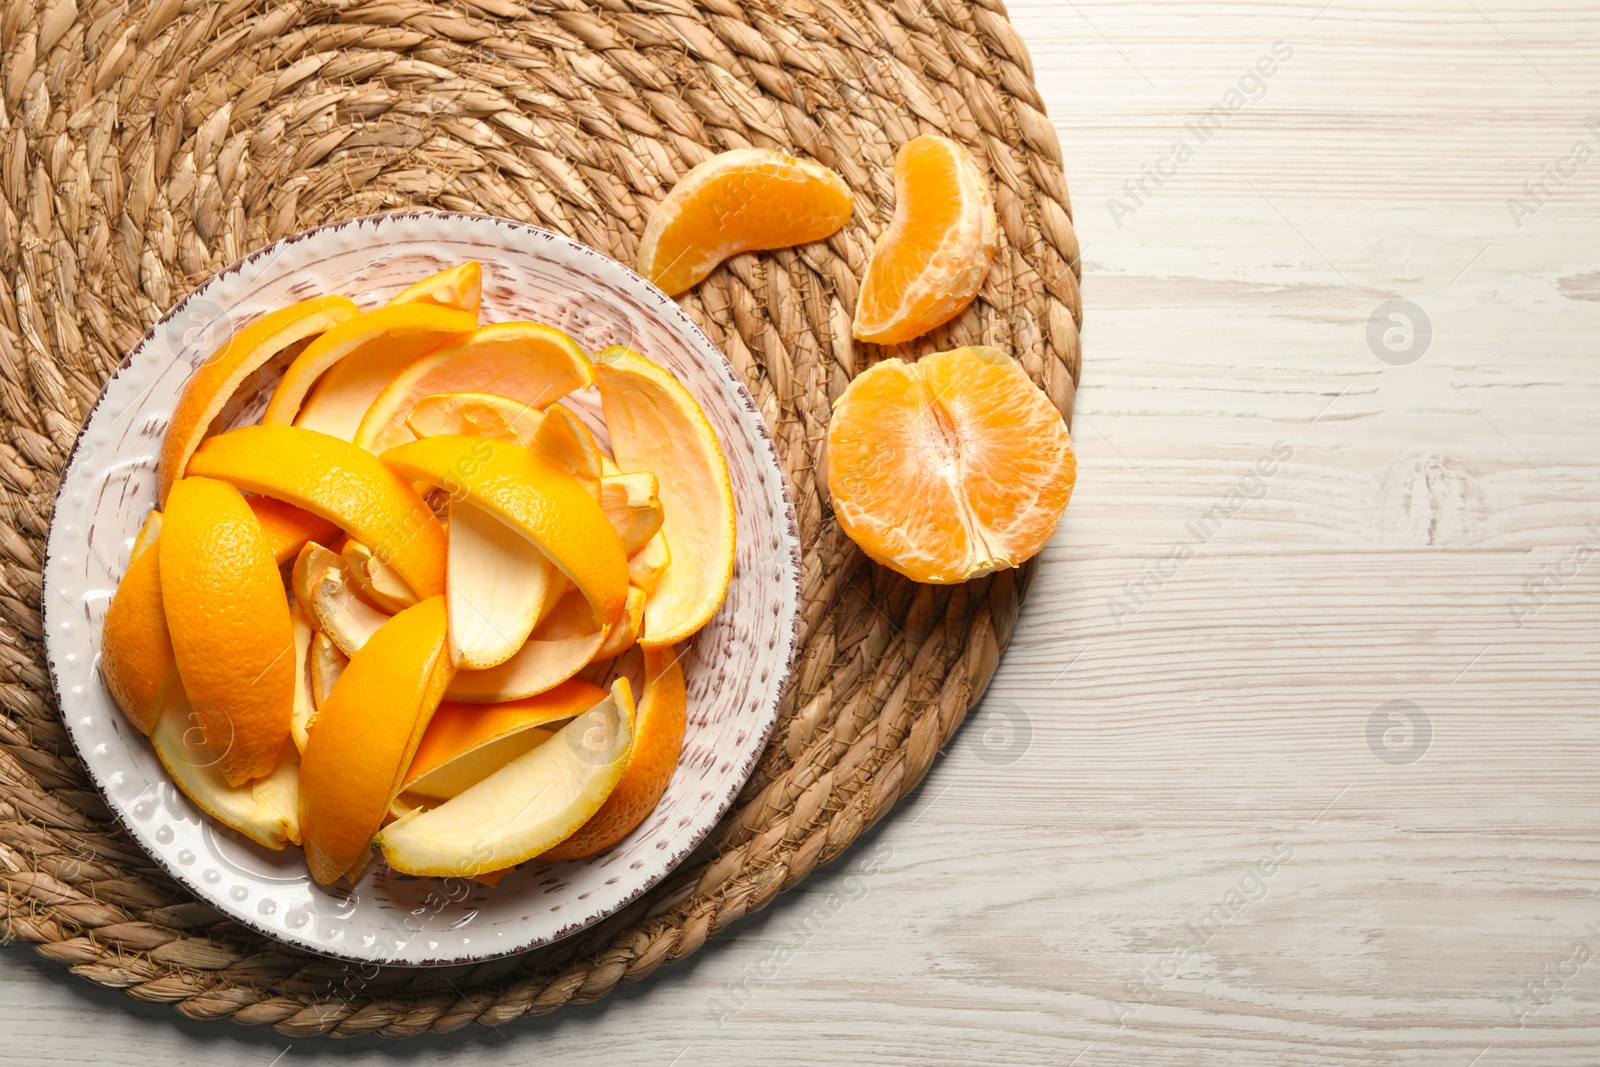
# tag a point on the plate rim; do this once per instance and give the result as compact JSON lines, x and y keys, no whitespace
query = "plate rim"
{"x":790,"y":530}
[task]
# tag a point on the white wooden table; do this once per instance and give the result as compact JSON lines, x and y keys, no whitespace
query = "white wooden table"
{"x":1301,"y":775}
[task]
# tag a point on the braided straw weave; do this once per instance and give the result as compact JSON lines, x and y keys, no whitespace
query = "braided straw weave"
{"x":145,"y":144}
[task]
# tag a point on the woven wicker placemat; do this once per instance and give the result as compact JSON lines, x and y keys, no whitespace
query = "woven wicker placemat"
{"x":146,"y":144}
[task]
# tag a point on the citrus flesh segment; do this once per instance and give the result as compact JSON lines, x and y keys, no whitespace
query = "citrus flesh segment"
{"x":495,"y":587}
{"x":1018,"y":469}
{"x":530,"y":804}
{"x":465,"y":743}
{"x":930,"y":262}
{"x":657,"y":741}
{"x":377,"y":582}
{"x":525,"y":362}
{"x":948,"y":468}
{"x":459,"y":287}
{"x":656,"y":426}
{"x":136,"y":655}
{"x":476,"y":415}
{"x":331,"y":384}
{"x":334,"y":479}
{"x":288,"y":529}
{"x":527,"y":493}
{"x":228,"y":615}
{"x":366,"y":735}
{"x":740,"y":201}
{"x":561,"y":645}
{"x":220,"y":376}
{"x":262,"y":810}
{"x":324,"y":589}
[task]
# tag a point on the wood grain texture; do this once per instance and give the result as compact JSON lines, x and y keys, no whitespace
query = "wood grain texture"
{"x":1022,"y":907}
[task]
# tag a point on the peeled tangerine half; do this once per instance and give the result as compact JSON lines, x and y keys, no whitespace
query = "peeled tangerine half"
{"x":365,"y":736}
{"x":537,"y":800}
{"x":929,"y":264}
{"x":948,"y":468}
{"x":740,"y":201}
{"x":657,"y":426}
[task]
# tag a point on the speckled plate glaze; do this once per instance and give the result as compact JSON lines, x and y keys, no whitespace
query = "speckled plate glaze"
{"x":736,"y":667}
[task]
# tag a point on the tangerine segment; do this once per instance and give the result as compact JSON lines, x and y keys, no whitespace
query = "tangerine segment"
{"x":542,"y":502}
{"x":135,"y":651}
{"x":219,"y":377}
{"x":929,"y":264}
{"x":524,"y":362}
{"x":657,"y":426}
{"x":351,"y":363}
{"x":657,"y":741}
{"x":950,"y":467}
{"x":740,"y":201}
{"x":365,"y":736}
{"x":346,"y":485}
{"x":229,"y":619}
{"x":459,"y":287}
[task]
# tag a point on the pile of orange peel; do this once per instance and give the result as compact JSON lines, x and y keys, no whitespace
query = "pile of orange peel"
{"x":401,"y":613}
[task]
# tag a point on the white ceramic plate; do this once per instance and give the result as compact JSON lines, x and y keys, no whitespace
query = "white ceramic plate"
{"x":736,"y":667}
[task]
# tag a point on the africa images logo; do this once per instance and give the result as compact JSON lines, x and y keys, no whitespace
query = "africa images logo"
{"x":1251,"y":485}
{"x":1250,"y":88}
{"x":1539,"y":191}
